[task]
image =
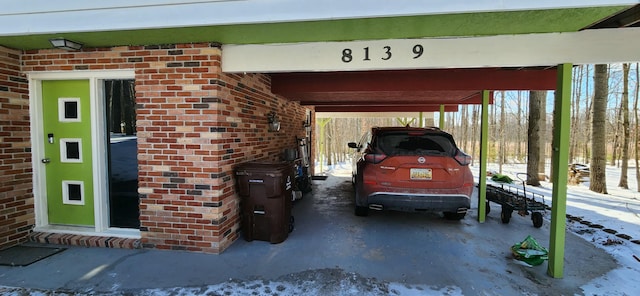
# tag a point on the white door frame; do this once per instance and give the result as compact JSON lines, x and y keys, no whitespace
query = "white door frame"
{"x":98,"y":128}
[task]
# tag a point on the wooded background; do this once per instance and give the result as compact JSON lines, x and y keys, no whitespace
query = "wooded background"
{"x":610,"y":95}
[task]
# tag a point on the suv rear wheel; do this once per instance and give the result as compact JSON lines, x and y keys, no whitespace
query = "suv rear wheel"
{"x":454,"y":216}
{"x":362,"y":211}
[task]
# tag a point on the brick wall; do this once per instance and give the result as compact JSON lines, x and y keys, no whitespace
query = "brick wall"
{"x":16,"y":196}
{"x":195,"y":124}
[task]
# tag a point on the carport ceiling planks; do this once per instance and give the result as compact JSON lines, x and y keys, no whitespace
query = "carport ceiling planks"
{"x":405,"y":90}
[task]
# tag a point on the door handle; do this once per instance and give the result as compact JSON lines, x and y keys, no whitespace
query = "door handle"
{"x":46,"y":160}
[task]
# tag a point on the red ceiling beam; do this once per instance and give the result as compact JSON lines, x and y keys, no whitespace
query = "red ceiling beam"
{"x":415,"y":80}
{"x":379,"y":108}
{"x":390,"y":100}
{"x":415,"y":97}
{"x":476,"y":99}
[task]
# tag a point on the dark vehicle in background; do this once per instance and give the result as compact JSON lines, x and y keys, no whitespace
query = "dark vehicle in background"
{"x":411,"y":169}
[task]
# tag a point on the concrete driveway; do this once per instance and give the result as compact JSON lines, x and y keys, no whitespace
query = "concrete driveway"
{"x":330,"y":252}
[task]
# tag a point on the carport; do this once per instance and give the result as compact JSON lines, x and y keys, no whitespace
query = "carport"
{"x":427,"y":57}
{"x":482,"y":65}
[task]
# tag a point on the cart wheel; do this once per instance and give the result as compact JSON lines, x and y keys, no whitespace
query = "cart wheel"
{"x":505,"y":215}
{"x":536,"y":217}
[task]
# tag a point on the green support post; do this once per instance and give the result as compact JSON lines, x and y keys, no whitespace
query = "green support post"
{"x":560,"y":160}
{"x":484,"y":146}
{"x":441,"y":126}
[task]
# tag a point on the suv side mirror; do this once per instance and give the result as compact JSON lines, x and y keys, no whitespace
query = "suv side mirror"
{"x":353,"y":145}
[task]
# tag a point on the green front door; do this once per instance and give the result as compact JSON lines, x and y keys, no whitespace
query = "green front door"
{"x":67,"y":152}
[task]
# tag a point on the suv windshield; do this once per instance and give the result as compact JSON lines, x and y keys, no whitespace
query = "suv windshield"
{"x":409,"y":143}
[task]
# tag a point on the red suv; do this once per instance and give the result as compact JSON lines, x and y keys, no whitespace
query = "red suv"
{"x":411,"y":169}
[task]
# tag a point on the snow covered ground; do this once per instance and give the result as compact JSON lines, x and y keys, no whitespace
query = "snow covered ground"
{"x":617,"y":211}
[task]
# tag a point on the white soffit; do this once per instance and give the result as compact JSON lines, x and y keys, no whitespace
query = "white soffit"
{"x":45,"y":16}
{"x":584,"y":47}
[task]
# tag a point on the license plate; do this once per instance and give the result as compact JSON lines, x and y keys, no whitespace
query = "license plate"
{"x":420,"y":174}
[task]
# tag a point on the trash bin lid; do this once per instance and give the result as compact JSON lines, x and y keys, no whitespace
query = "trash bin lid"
{"x":263,"y":168}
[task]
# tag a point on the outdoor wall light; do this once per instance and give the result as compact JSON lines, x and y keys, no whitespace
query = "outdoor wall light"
{"x":65,"y":44}
{"x":307,"y":126}
{"x":274,"y":122}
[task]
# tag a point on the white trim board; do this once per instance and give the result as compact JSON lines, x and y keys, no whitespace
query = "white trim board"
{"x":601,"y":46}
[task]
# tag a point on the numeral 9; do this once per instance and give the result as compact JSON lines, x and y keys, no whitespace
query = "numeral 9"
{"x":418,"y":50}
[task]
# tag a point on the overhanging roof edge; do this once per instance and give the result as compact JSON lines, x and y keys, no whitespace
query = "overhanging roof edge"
{"x":49,"y":17}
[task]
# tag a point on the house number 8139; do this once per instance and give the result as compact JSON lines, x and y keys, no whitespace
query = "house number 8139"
{"x":385,"y":55}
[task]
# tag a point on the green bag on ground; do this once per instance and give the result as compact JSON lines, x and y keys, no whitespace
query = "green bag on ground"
{"x":530,"y":252}
{"x":501,"y":178}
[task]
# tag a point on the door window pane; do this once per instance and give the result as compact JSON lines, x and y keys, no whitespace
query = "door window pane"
{"x":73,"y":192}
{"x":122,"y":154}
{"x":71,"y":150}
{"x":69,"y":109}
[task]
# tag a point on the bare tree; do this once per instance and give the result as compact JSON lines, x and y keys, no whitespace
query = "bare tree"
{"x":637,"y":142}
{"x":616,"y":121}
{"x":330,"y":144}
{"x":321,"y":123}
{"x":519,"y":125}
{"x":616,"y":137}
{"x":543,"y":133}
{"x":575,"y":113}
{"x":598,"y":131}
{"x":501,"y":153}
{"x":533,"y":142}
{"x":587,"y":131}
{"x":624,"y":109}
{"x":451,"y":123}
{"x":130,"y":126}
{"x":474,"y":136}
{"x":493,"y":133}
{"x":464,"y":124}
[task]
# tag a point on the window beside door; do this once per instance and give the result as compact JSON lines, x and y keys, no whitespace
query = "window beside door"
{"x":122,"y":153}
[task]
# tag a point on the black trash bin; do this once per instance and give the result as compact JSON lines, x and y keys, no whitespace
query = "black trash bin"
{"x":265,"y":190}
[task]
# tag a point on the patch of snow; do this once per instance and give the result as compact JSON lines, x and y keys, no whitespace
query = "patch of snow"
{"x":618,"y":212}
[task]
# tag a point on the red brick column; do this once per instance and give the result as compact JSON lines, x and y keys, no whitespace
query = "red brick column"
{"x":16,"y":197}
